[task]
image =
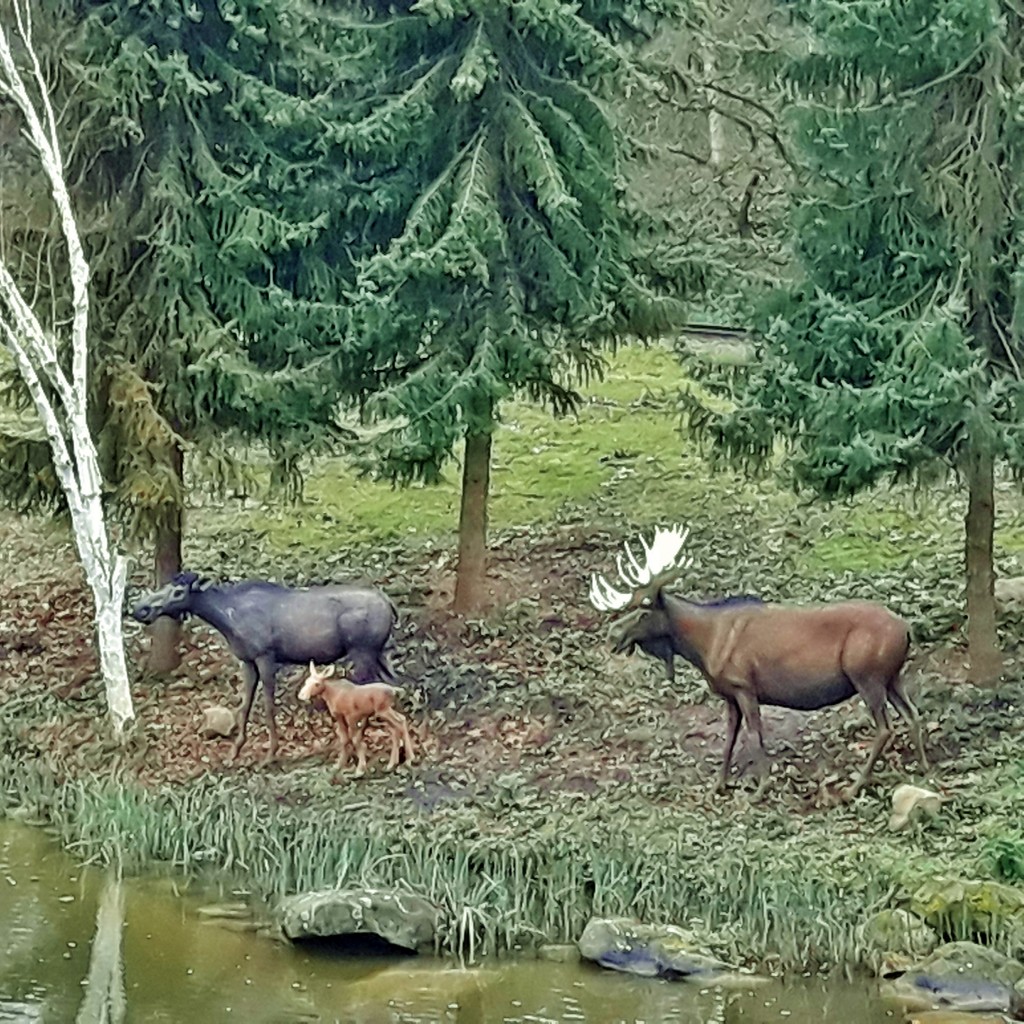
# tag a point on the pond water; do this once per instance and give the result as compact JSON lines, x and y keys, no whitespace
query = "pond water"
{"x":77,"y":946}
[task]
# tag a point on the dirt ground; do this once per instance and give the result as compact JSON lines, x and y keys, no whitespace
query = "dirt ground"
{"x":529,"y":692}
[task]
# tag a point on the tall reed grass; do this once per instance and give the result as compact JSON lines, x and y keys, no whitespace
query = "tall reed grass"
{"x":751,"y":898}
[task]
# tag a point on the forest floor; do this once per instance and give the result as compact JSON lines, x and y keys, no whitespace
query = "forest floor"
{"x":483,"y":695}
{"x":532,"y":738}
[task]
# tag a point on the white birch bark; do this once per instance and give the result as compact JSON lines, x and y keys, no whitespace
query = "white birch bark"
{"x":716,"y":126}
{"x":60,"y":399}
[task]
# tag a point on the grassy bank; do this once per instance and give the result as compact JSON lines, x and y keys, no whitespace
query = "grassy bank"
{"x":759,"y":885}
{"x":556,"y":781}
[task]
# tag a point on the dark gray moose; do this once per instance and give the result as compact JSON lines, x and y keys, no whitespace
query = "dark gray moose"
{"x":269,"y":626}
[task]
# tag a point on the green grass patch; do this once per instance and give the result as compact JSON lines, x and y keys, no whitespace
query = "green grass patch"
{"x":623,"y":462}
{"x":541,"y":464}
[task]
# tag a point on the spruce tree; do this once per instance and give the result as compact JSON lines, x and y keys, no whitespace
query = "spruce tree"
{"x":220,"y":232}
{"x":900,"y":349}
{"x":490,"y":132}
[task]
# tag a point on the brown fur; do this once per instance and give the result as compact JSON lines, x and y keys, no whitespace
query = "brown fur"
{"x":792,"y":657}
{"x":352,"y":707}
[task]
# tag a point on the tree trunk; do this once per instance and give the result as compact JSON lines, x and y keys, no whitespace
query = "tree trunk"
{"x":991,"y":219}
{"x":716,"y":127}
{"x":476,"y":479}
{"x":164,"y":654}
{"x":986,"y":659}
{"x":60,"y":399}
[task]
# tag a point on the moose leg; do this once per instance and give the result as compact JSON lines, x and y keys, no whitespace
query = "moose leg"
{"x":751,"y":711}
{"x":361,"y":750}
{"x":250,"y":677}
{"x":357,"y":736}
{"x":342,"y":732}
{"x":730,"y":742}
{"x":399,"y":729}
{"x":268,"y":676}
{"x":907,"y":711}
{"x":883,"y":734}
{"x":395,"y":735}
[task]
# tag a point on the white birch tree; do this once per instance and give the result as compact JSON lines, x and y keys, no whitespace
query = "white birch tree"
{"x":54,"y":361}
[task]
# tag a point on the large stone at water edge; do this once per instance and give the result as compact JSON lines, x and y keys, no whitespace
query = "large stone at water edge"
{"x":652,"y":950}
{"x":397,"y":917}
{"x":960,"y":976}
{"x":897,"y":931}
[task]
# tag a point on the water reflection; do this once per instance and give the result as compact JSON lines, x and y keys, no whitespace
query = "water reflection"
{"x":77,"y":944}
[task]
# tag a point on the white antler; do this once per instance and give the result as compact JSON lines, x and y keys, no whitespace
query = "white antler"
{"x":604,"y":597}
{"x":661,"y":555}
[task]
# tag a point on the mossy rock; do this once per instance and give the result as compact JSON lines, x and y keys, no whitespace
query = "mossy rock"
{"x":898,"y":931}
{"x":963,"y":907}
{"x":650,"y":950}
{"x":400,"y":918}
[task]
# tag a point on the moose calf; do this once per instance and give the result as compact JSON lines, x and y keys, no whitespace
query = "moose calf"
{"x":352,"y":707}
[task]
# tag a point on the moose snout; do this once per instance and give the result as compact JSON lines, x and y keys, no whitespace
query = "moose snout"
{"x":624,"y":645}
{"x":144,"y":613}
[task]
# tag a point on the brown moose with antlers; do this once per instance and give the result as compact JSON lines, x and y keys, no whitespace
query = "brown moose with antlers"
{"x":753,"y":653}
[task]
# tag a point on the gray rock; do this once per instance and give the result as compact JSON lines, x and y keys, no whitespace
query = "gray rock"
{"x":651,"y":950}
{"x":217,"y":721}
{"x":958,"y":976}
{"x":897,"y":931}
{"x":912,"y":803}
{"x":400,"y":918}
{"x":959,"y":958}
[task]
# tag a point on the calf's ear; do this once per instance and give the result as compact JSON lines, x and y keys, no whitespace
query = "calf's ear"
{"x":329,"y":671}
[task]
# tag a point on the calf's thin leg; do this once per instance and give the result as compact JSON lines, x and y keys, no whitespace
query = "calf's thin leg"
{"x":395,"y":735}
{"x":357,"y":731}
{"x":399,"y":728}
{"x":341,"y":729}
